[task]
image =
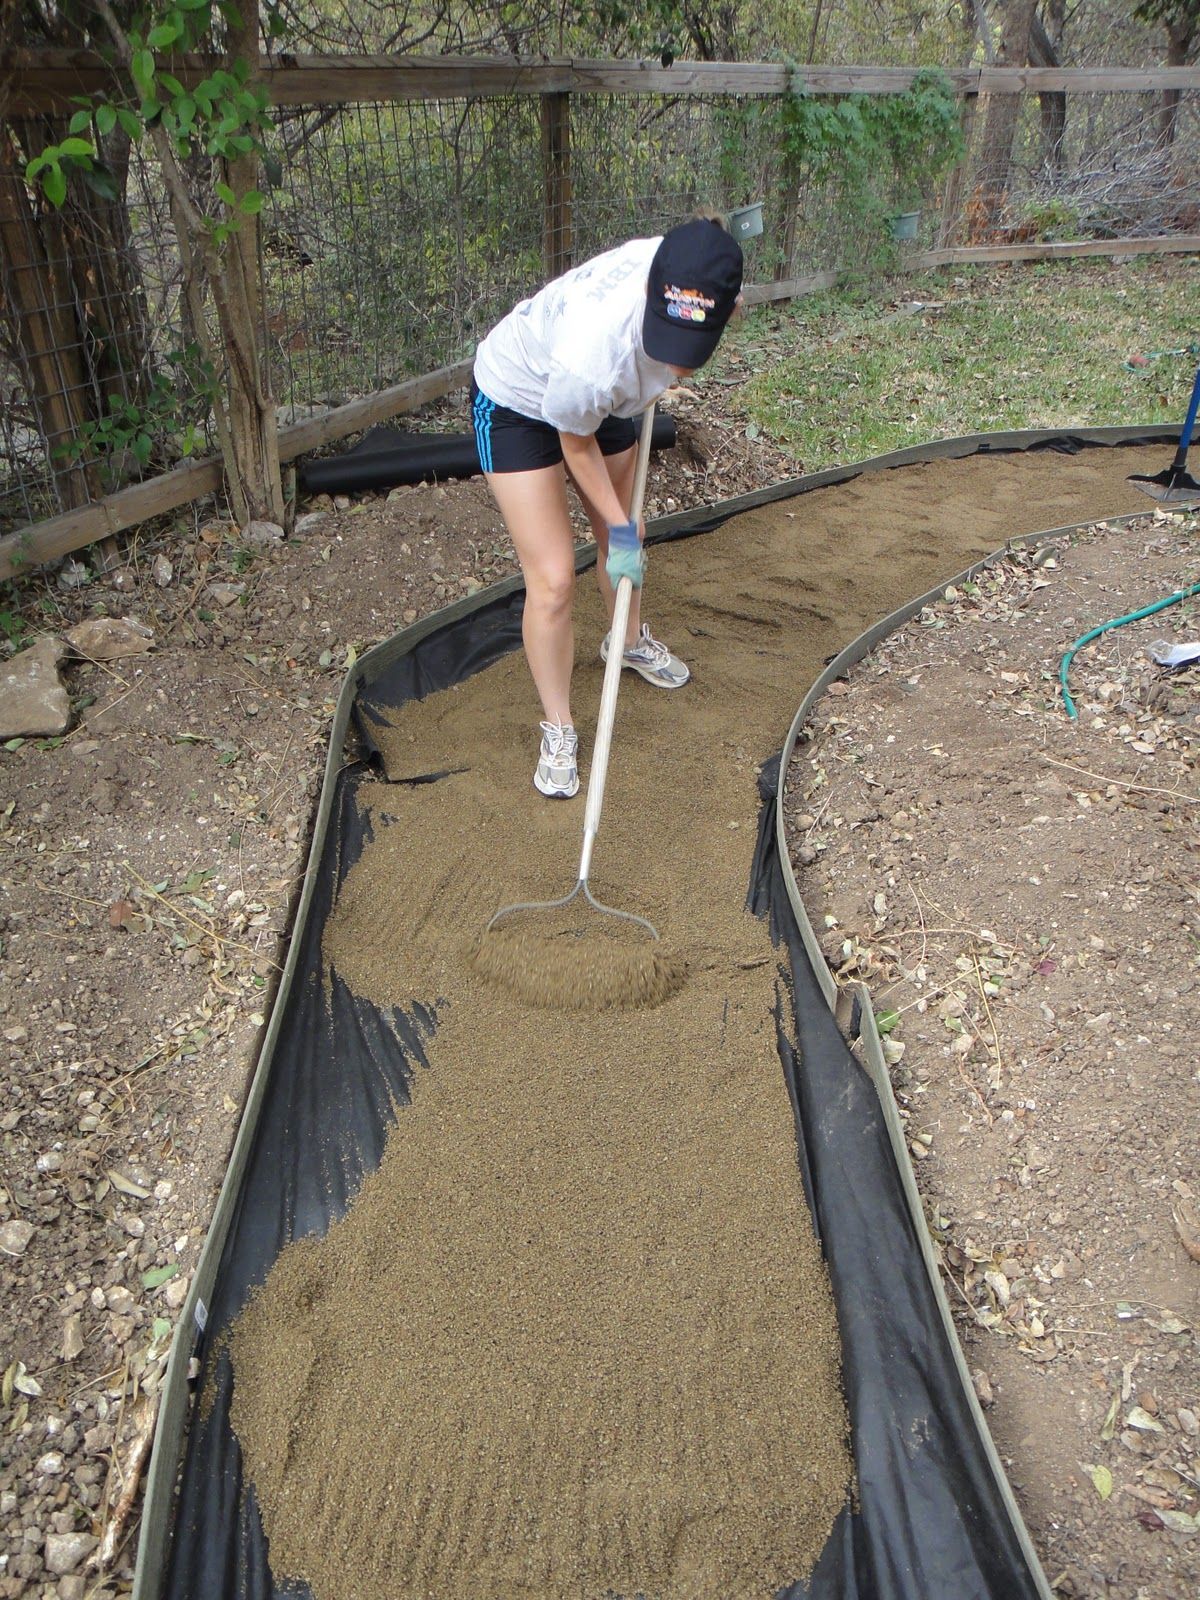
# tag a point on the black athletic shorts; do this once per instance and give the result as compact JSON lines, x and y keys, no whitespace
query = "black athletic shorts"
{"x":506,"y":441}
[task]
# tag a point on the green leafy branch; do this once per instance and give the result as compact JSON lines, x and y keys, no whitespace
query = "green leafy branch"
{"x":223,"y":117}
{"x":875,"y":148}
{"x":127,"y":426}
{"x":51,"y":167}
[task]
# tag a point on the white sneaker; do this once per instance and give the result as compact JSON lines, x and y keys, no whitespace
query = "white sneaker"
{"x":652,"y":659}
{"x":557,"y":774}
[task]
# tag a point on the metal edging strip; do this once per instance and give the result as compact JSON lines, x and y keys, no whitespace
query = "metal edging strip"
{"x":162,"y":1474}
{"x":874,"y":1064}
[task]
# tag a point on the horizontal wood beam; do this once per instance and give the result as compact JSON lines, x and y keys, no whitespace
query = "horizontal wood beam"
{"x":1167,"y":244}
{"x":40,"y":542}
{"x":757,"y":294}
{"x":46,"y":80}
{"x":56,"y":537}
{"x":311,"y":434}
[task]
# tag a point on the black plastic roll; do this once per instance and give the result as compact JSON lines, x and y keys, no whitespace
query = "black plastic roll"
{"x":386,"y":457}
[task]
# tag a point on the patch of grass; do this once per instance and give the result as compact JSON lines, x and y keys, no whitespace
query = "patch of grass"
{"x":840,"y":376}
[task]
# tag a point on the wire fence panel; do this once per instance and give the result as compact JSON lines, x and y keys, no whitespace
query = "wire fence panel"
{"x":397,"y":235}
{"x":398,"y":232}
{"x":99,"y":372}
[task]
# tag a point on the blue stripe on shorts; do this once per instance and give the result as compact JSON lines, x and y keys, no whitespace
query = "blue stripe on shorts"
{"x":482,"y":415}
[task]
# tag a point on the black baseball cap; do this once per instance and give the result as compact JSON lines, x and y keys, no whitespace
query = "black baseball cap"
{"x":695,"y":279}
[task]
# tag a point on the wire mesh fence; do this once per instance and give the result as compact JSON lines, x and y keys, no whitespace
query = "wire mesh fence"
{"x":101,"y":380}
{"x":399,"y":231}
{"x":396,"y":234}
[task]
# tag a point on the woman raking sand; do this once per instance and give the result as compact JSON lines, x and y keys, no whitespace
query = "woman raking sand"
{"x":556,"y":386}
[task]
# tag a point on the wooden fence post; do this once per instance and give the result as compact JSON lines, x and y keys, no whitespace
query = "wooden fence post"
{"x":251,"y":402}
{"x":557,"y":242}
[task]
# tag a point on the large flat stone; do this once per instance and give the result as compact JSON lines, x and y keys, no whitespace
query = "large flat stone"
{"x":110,"y":638}
{"x":33,"y":698}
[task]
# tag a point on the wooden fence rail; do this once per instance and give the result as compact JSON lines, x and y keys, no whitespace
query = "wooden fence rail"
{"x":46,"y":80}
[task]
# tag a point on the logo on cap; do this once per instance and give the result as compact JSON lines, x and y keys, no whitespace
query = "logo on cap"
{"x":687,"y":305}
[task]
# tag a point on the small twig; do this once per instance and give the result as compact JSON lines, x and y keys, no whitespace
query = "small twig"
{"x":1119,"y":783}
{"x":112,"y":1459}
{"x":928,"y":995}
{"x":141,"y":1065}
{"x":991,"y":1019}
{"x":281,"y":777}
{"x":143,"y":683}
{"x":139,"y":1452}
{"x":817,"y":815}
{"x":185,"y":609}
{"x":921,"y":917}
{"x":95,"y":661}
{"x":68,"y":894}
{"x":973,"y":1087}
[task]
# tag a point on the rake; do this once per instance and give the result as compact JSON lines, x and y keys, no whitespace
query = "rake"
{"x":604,"y":727}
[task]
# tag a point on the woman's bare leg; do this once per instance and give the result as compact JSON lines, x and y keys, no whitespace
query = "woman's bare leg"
{"x":534,"y":507}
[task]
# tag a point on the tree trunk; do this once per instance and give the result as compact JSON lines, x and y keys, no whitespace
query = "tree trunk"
{"x":1003,"y":115}
{"x":1043,"y":52}
{"x":1180,"y":37}
{"x":252,"y":417}
{"x":954,"y":227}
{"x":45,"y":343}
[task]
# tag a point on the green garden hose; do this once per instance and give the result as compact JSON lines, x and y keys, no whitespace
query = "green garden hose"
{"x":1117,"y":622}
{"x":1135,"y":363}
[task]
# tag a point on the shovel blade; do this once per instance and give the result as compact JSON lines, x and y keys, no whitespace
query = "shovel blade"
{"x":1172,"y":487}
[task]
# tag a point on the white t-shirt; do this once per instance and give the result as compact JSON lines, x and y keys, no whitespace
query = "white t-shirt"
{"x":572,"y":354}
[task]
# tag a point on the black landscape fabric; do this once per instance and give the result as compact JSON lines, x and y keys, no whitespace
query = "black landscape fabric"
{"x":929,"y":1522}
{"x":386,"y":457}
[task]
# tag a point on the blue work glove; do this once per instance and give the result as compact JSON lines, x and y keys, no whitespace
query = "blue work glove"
{"x":626,"y":557}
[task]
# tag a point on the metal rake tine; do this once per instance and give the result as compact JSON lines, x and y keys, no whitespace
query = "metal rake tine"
{"x":535,"y":905}
{"x":614,"y":911}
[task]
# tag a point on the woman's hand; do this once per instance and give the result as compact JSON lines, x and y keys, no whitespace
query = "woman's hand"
{"x":626,"y":555}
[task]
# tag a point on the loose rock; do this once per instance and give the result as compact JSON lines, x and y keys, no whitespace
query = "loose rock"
{"x":64,"y":1552}
{"x":15,"y":1236}
{"x":33,"y":698}
{"x":110,"y":638}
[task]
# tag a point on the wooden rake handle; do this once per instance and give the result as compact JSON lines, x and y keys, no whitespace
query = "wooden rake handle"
{"x":612,"y":667}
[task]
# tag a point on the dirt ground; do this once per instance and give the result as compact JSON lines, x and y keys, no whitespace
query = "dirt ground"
{"x":151,"y":856}
{"x":1020,"y":893}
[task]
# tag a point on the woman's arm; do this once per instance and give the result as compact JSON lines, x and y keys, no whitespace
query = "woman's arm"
{"x":585,"y":463}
